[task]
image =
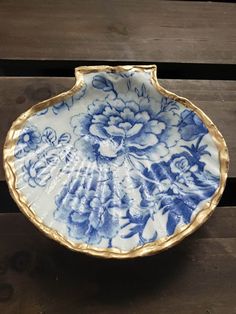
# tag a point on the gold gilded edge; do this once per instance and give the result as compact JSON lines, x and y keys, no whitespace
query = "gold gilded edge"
{"x":146,"y":249}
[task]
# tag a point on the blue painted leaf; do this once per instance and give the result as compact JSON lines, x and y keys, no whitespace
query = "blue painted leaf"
{"x":172,"y":222}
{"x":126,"y":75}
{"x":42,"y":112}
{"x":143,"y":91}
{"x":20,"y":152}
{"x":153,"y":238}
{"x":61,"y":106}
{"x":167,"y":204}
{"x":80,"y":94}
{"x":49,"y":136}
{"x":137,"y":92}
{"x":193,"y":150}
{"x":133,"y":231}
{"x":129,"y":84}
{"x":202,"y":148}
{"x":168,"y":104}
{"x":51,"y":157}
{"x":69,"y":157}
{"x":64,"y":138}
{"x":136,"y":181}
{"x":101,"y":82}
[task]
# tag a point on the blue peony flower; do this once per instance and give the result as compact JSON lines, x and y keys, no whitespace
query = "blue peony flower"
{"x":89,"y":206}
{"x":123,"y":128}
{"x":62,"y":106}
{"x":28,"y":140}
{"x":191,"y":127}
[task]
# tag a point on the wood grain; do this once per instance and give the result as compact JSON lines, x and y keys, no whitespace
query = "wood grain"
{"x":39,"y":276}
{"x":216,"y":98}
{"x":160,"y":31}
{"x":199,"y":275}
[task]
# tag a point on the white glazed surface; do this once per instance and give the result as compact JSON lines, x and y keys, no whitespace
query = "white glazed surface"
{"x":117,"y":165}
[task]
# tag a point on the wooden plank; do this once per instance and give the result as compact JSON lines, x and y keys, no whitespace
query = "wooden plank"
{"x":39,"y":276}
{"x":220,"y":225}
{"x":216,"y":98}
{"x":160,"y":31}
{"x":225,"y":1}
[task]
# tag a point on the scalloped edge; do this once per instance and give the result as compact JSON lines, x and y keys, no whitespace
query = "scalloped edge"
{"x":146,"y":249}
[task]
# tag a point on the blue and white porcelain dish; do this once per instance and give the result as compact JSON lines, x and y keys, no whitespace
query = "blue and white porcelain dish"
{"x":117,"y":166}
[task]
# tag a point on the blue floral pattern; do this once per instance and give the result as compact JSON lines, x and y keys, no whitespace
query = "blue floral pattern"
{"x":52,"y":153}
{"x":115,"y":130}
{"x":175,"y":188}
{"x":28,"y":141}
{"x":91,"y":206}
{"x":64,"y":105}
{"x":134,"y":162}
{"x":191,"y":127}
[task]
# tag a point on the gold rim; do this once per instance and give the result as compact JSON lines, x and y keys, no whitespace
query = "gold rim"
{"x":146,"y":249}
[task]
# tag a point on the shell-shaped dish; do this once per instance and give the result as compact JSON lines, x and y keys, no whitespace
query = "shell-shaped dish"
{"x":117,"y":166}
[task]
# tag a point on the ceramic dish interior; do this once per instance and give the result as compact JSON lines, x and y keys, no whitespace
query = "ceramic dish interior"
{"x":117,"y":166}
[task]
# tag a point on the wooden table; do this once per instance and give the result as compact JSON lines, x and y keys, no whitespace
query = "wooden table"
{"x":194,"y":46}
